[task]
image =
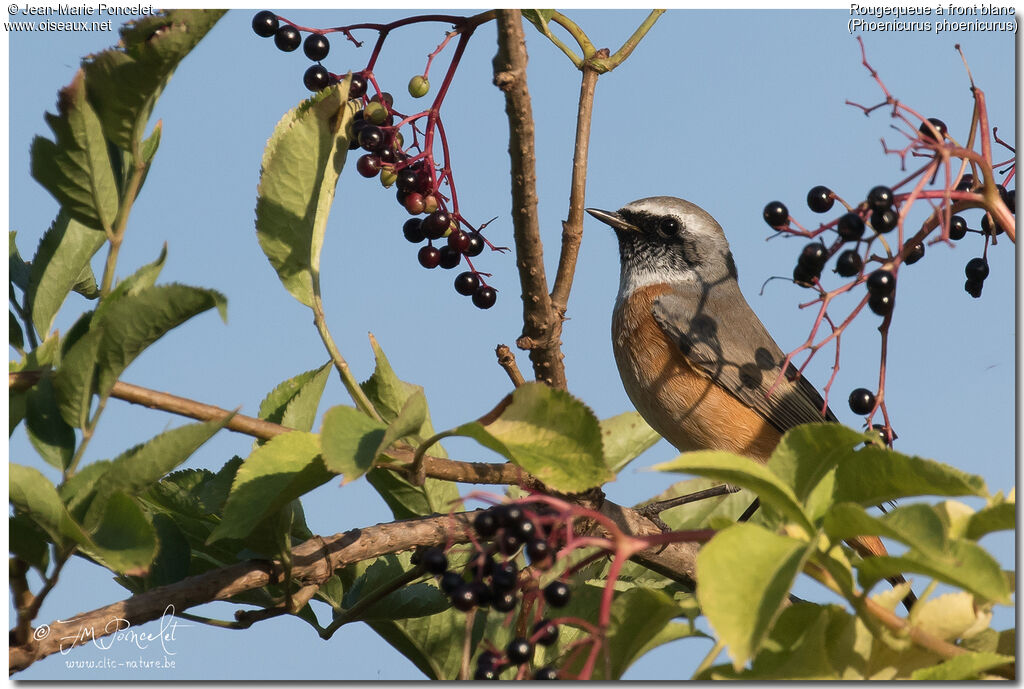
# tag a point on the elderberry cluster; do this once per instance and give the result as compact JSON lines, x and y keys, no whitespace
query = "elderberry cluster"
{"x":374,"y":129}
{"x":493,"y":580}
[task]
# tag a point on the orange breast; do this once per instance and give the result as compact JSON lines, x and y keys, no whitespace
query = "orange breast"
{"x":679,"y":402}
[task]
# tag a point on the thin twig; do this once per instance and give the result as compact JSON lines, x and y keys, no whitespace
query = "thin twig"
{"x":507,"y":360}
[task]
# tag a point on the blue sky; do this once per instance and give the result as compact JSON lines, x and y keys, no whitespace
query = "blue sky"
{"x":728,"y":109}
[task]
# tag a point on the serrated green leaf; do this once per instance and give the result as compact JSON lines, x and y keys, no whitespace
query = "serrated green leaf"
{"x":29,"y":542}
{"x":135,"y":470}
{"x":73,"y":382}
{"x":744,"y":575}
{"x":14,"y":334}
{"x":52,"y":438}
{"x":86,"y":285}
{"x":124,"y":82}
{"x":173,"y":556}
{"x":640,"y":621}
{"x":276,"y":473}
{"x":124,"y":540}
{"x":79,"y":489}
{"x":58,"y":265}
{"x":408,"y":422}
{"x":350,"y":441}
{"x":875,"y":475}
{"x":301,"y":166}
{"x":136,"y":321}
{"x":410,"y":601}
{"x":433,"y":643}
{"x":744,"y":472}
{"x":624,"y":437}
{"x":214,"y":493}
{"x":33,"y":495}
{"x":547,"y":432}
{"x":962,"y":667}
{"x":17,"y":269}
{"x":76,"y":167}
{"x":963,"y":564}
{"x":142,"y":278}
{"x":293,"y":403}
{"x":1000,"y":517}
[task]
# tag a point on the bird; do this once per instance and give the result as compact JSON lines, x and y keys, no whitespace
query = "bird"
{"x":694,"y":358}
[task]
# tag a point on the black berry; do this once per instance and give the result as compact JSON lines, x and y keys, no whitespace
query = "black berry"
{"x":459,"y":240}
{"x":862,"y":401}
{"x":519,"y":650}
{"x":880,"y":430}
{"x":881,"y":282}
{"x":371,"y":138}
{"x":990,"y":227}
{"x":484,"y":522}
{"x":557,"y":594}
{"x":484,"y":297}
{"x":357,"y":87}
{"x":449,"y":257}
{"x":813,"y":257}
{"x":504,"y":601}
{"x":451,"y":581}
{"x":510,"y":543}
{"x":545,"y":673}
{"x":538,"y":551}
{"x":957,"y":227}
{"x":436,"y":224}
{"x":476,"y":244}
{"x":465,"y":598}
{"x":368,"y":165}
{"x":465,"y":284}
{"x":412,"y":230}
{"x":938,"y":124}
{"x":915,"y":254}
{"x":974,"y":287}
{"x":265,"y":24}
{"x":776,"y":214}
{"x":480,"y":566}
{"x":884,"y":221}
{"x":504,"y":576}
{"x":385,"y":98}
{"x":849,"y":263}
{"x":966,"y":182}
{"x":316,"y":46}
{"x":287,"y":38}
{"x":976,"y":269}
{"x":820,"y":199}
{"x":316,"y":78}
{"x":488,"y":659}
{"x":850,"y":227}
{"x":485,"y":673}
{"x":1011,"y":200}
{"x":548,"y":632}
{"x":880,"y":198}
{"x":509,"y":515}
{"x":434,"y":560}
{"x":429,"y":257}
{"x":484,"y":596}
{"x":408,"y":180}
{"x":526,"y":530}
{"x":804,"y":277}
{"x":881,"y":304}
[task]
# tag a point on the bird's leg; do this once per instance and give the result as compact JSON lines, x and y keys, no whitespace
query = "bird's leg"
{"x":653,"y":509}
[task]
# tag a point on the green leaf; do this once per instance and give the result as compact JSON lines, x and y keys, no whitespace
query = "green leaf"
{"x":135,"y":470}
{"x":124,"y":540}
{"x":746,"y":473}
{"x":80,"y":488}
{"x":133,"y":284}
{"x":284,"y":468}
{"x":76,"y":168}
{"x":962,"y":667}
{"x":17,"y":269}
{"x":125,"y":82}
{"x":918,"y":525}
{"x":350,"y":441}
{"x":875,"y":475}
{"x":408,"y":422}
{"x":301,"y":166}
{"x":73,"y":382}
{"x":52,"y":438}
{"x":744,"y":575}
{"x":433,"y":643}
{"x":624,"y":437}
{"x":998,"y":517}
{"x":33,"y":495}
{"x":14,"y":334}
{"x":547,"y":432}
{"x":86,"y":284}
{"x":412,"y":600}
{"x":29,"y":542}
{"x":173,"y":556}
{"x":60,"y":261}
{"x":294,"y":402}
{"x":963,"y":564}
{"x":136,"y":321}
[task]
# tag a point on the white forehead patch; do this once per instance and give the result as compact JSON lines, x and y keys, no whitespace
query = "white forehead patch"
{"x":695,"y":219}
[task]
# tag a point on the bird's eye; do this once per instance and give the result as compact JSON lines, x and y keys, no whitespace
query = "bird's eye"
{"x":668,"y":227}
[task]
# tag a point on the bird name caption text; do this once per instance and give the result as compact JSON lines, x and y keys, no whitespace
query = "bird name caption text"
{"x":938,"y":18}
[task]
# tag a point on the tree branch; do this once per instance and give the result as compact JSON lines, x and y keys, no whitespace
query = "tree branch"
{"x":541,"y":323}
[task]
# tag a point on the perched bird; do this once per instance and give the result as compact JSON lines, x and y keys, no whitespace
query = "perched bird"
{"x":695,"y":360}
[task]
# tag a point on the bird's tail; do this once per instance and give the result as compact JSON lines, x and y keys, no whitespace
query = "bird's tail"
{"x":869,"y":546}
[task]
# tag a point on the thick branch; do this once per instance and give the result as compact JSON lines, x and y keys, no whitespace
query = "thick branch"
{"x":541,"y":323}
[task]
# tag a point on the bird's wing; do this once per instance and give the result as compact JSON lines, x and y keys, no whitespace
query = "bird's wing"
{"x":743,"y":358}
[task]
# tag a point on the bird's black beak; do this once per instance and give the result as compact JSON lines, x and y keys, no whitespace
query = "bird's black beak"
{"x":612,"y":219}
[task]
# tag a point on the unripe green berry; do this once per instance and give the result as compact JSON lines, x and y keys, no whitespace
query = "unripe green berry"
{"x":375,"y":113}
{"x":418,"y":86}
{"x":387,"y":177}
